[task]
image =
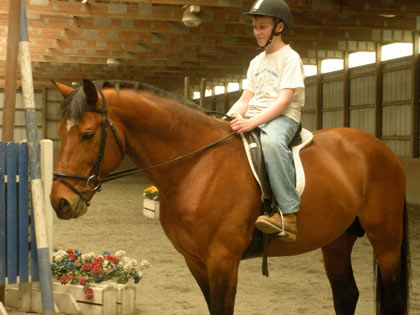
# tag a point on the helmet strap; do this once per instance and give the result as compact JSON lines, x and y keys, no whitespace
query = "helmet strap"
{"x":273,"y":33}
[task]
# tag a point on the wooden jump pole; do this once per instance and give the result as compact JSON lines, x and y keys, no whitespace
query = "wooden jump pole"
{"x":10,"y":85}
{"x":35,"y":169}
{"x":11,"y":73}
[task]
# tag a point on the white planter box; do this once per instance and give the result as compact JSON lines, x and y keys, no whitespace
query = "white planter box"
{"x":109,"y":298}
{"x":151,"y":208}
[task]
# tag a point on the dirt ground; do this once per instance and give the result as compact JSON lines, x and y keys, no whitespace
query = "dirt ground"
{"x":296,"y":285}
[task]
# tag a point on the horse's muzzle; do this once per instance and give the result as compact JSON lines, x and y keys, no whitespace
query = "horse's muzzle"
{"x":66,"y":211}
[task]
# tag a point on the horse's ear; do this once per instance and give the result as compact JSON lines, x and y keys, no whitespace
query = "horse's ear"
{"x":90,"y":91}
{"x":63,"y":89}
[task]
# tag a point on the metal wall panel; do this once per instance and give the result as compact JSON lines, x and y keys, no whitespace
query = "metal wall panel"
{"x":362,"y":98}
{"x":396,"y":121}
{"x":19,"y":133}
{"x":308,"y":121}
{"x":332,"y":94}
{"x":363,"y":119}
{"x":401,"y":148}
{"x":333,"y":119}
{"x":396,"y":102}
{"x":54,"y":99}
{"x":311,"y":94}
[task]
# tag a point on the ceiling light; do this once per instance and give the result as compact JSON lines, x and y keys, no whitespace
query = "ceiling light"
{"x":190,"y":18}
{"x":388,"y":16}
{"x":112,"y":62}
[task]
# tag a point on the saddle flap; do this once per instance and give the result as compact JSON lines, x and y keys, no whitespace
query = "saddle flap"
{"x":252,"y":145}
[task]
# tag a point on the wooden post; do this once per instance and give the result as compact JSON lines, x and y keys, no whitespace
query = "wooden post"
{"x":11,"y":75}
{"x":226,"y":99}
{"x":8,"y":123}
{"x":319,"y":96}
{"x":202,"y":91}
{"x":415,"y":98}
{"x":378,"y":88}
{"x":187,"y":87}
{"x":346,"y":111}
{"x":213,"y":97}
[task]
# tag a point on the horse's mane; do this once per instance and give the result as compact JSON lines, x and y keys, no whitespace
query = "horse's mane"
{"x":75,"y":104}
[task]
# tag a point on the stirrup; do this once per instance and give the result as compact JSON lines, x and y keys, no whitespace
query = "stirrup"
{"x":282,"y":233}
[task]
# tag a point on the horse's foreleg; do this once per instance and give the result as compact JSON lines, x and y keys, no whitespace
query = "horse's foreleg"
{"x":199,"y":271}
{"x":223,"y":277}
{"x":337,"y":263}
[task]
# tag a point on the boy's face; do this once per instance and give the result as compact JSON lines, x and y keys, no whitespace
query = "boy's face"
{"x":262,"y":26}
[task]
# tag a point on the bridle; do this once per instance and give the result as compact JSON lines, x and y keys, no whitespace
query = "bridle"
{"x":93,"y":180}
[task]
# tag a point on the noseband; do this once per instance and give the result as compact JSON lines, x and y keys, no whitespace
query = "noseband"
{"x":93,"y":180}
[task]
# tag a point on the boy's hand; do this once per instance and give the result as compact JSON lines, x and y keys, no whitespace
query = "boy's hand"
{"x":240,"y":124}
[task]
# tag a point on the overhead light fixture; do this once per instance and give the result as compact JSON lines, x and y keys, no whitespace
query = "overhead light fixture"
{"x":388,"y":16}
{"x":84,"y":1}
{"x":190,"y":18}
{"x":112,"y":62}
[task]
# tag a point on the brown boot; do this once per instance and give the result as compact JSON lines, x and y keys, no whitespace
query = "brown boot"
{"x":273,"y":225}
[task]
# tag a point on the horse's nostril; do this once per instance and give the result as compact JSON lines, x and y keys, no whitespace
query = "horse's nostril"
{"x":63,"y":204}
{"x":63,"y":209}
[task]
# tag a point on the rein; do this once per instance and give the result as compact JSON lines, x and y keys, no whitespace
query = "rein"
{"x":94,"y":181}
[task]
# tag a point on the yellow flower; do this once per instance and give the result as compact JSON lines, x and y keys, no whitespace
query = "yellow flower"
{"x":151,"y":192}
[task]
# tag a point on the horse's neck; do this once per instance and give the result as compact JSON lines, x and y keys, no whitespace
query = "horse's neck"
{"x":156,"y":133}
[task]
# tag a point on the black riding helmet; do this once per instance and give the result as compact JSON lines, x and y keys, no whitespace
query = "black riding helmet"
{"x":278,"y":9}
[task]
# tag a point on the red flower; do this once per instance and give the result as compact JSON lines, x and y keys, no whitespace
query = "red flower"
{"x":97,"y":269}
{"x":70,"y":276}
{"x":72,"y":257}
{"x":63,"y":279}
{"x":70,"y":251}
{"x":86,"y":267}
{"x":113,"y":259}
{"x":99,"y":260}
{"x":89,"y":294}
{"x":82,"y":280}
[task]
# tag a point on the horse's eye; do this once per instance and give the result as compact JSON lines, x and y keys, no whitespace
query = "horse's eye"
{"x":87,"y":135}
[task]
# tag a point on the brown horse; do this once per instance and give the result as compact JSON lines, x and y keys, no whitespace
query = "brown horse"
{"x":210,"y":200}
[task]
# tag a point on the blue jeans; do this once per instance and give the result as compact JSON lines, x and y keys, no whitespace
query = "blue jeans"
{"x":275,"y":137}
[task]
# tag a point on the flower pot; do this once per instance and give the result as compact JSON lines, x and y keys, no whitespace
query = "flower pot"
{"x":151,"y":208}
{"x":109,"y":298}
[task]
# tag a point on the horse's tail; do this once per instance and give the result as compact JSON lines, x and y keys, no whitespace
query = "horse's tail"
{"x":400,"y":304}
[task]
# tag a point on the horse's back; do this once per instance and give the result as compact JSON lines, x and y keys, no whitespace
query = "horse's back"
{"x":346,"y":169}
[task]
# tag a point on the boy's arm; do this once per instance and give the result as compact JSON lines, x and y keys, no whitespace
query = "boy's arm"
{"x":241,"y":105}
{"x":279,"y":106}
{"x":281,"y":103}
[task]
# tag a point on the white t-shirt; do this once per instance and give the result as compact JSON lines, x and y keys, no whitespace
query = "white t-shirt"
{"x":268,"y":74}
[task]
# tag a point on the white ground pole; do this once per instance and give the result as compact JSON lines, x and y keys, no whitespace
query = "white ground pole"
{"x":35,"y":169}
{"x":2,"y":309}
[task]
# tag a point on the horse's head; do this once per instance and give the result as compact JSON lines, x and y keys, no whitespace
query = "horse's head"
{"x":88,"y":150}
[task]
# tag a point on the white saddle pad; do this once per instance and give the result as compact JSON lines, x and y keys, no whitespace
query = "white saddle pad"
{"x":307,"y":137}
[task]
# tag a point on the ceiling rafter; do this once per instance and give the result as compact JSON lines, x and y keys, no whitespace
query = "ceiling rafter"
{"x":147,"y":36}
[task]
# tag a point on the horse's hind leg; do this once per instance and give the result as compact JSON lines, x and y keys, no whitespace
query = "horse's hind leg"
{"x":390,"y":243}
{"x":337,"y":263}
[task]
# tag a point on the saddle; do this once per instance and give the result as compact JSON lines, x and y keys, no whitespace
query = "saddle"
{"x":252,"y":145}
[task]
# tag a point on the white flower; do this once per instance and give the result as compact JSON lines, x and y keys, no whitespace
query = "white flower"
{"x":133,"y":263}
{"x":59,"y":255}
{"x":120,"y":254}
{"x":144,"y":264}
{"x":124,"y":260}
{"x":86,"y":258}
